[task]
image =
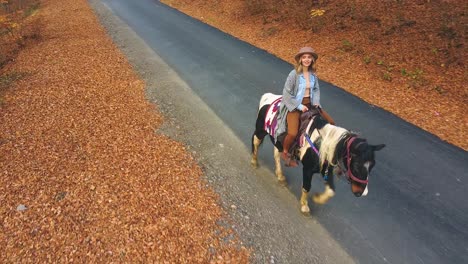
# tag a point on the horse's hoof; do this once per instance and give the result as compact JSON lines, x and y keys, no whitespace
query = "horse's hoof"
{"x":283,"y":182}
{"x":254,"y":164}
{"x":316,"y":198}
{"x":305,"y":210}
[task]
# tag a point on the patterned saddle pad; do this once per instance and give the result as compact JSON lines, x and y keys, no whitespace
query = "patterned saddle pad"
{"x":271,"y":118}
{"x":306,"y":122}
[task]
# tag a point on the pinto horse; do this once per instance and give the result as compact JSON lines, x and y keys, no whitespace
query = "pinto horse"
{"x":327,"y":149}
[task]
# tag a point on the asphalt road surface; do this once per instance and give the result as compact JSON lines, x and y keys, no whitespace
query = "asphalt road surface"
{"x":416,"y":210}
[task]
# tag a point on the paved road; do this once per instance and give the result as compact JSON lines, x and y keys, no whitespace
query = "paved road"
{"x":416,"y":211}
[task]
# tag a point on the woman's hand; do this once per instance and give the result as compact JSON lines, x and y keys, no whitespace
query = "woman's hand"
{"x":304,"y":109}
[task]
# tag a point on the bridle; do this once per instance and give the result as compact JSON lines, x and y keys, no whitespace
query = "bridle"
{"x":348,"y":158}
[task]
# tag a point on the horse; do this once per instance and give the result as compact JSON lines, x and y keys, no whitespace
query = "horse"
{"x":327,"y":149}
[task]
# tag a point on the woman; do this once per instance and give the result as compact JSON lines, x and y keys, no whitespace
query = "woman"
{"x":301,"y":92}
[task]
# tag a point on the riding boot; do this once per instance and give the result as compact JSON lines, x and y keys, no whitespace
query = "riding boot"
{"x":286,"y":156}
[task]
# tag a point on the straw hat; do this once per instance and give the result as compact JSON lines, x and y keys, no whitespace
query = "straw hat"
{"x":305,"y":50}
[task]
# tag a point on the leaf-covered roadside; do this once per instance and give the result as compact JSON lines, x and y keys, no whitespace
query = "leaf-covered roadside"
{"x":83,"y":175}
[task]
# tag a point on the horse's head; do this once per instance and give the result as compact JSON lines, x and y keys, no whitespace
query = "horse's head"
{"x":359,"y":161}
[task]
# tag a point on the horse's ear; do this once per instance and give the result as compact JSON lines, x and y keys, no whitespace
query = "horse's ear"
{"x":377,"y":147}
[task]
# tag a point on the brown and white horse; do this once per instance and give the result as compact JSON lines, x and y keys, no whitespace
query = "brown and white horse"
{"x":329,"y":150}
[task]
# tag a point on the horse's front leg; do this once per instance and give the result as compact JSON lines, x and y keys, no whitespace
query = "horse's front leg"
{"x":307,"y":173}
{"x":278,"y":170}
{"x":256,"y":142}
{"x":329,"y":191}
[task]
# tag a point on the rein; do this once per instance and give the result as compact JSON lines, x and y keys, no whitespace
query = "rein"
{"x":348,"y":157}
{"x":311,"y":144}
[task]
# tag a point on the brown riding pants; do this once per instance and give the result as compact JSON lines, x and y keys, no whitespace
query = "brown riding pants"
{"x":292,"y":120}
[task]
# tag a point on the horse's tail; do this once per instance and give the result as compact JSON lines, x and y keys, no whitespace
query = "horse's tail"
{"x":260,"y":131}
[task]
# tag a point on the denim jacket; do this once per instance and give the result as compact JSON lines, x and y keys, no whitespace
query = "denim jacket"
{"x":292,"y":98}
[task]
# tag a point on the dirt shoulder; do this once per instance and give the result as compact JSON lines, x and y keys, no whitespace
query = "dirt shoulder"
{"x":84,"y":176}
{"x":408,"y":61}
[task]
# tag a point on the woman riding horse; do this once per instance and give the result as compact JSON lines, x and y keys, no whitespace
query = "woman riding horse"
{"x":301,"y":92}
{"x":328,"y":149}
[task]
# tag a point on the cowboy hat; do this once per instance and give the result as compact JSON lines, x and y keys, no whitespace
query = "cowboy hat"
{"x":305,"y":50}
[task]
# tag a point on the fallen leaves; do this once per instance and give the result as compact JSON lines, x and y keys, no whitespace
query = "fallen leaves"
{"x":84,"y":177}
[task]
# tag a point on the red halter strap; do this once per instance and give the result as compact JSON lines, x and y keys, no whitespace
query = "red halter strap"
{"x":349,"y":172}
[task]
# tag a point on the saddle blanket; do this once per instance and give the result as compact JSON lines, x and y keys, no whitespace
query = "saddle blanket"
{"x":271,"y":118}
{"x":306,"y":122}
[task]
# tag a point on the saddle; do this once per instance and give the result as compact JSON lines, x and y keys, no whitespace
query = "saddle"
{"x":306,"y":119}
{"x":306,"y":123}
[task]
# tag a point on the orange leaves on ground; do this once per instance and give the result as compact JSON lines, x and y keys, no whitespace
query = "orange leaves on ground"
{"x":84,"y":175}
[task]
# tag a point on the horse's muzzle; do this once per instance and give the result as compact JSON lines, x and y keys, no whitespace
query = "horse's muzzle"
{"x":358,"y":189}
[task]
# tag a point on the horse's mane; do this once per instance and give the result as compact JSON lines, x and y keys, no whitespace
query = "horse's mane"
{"x":331,"y":137}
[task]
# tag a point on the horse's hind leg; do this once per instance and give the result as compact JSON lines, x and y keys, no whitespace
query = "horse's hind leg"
{"x":278,"y":170}
{"x":259,"y":135}
{"x":256,"y":142}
